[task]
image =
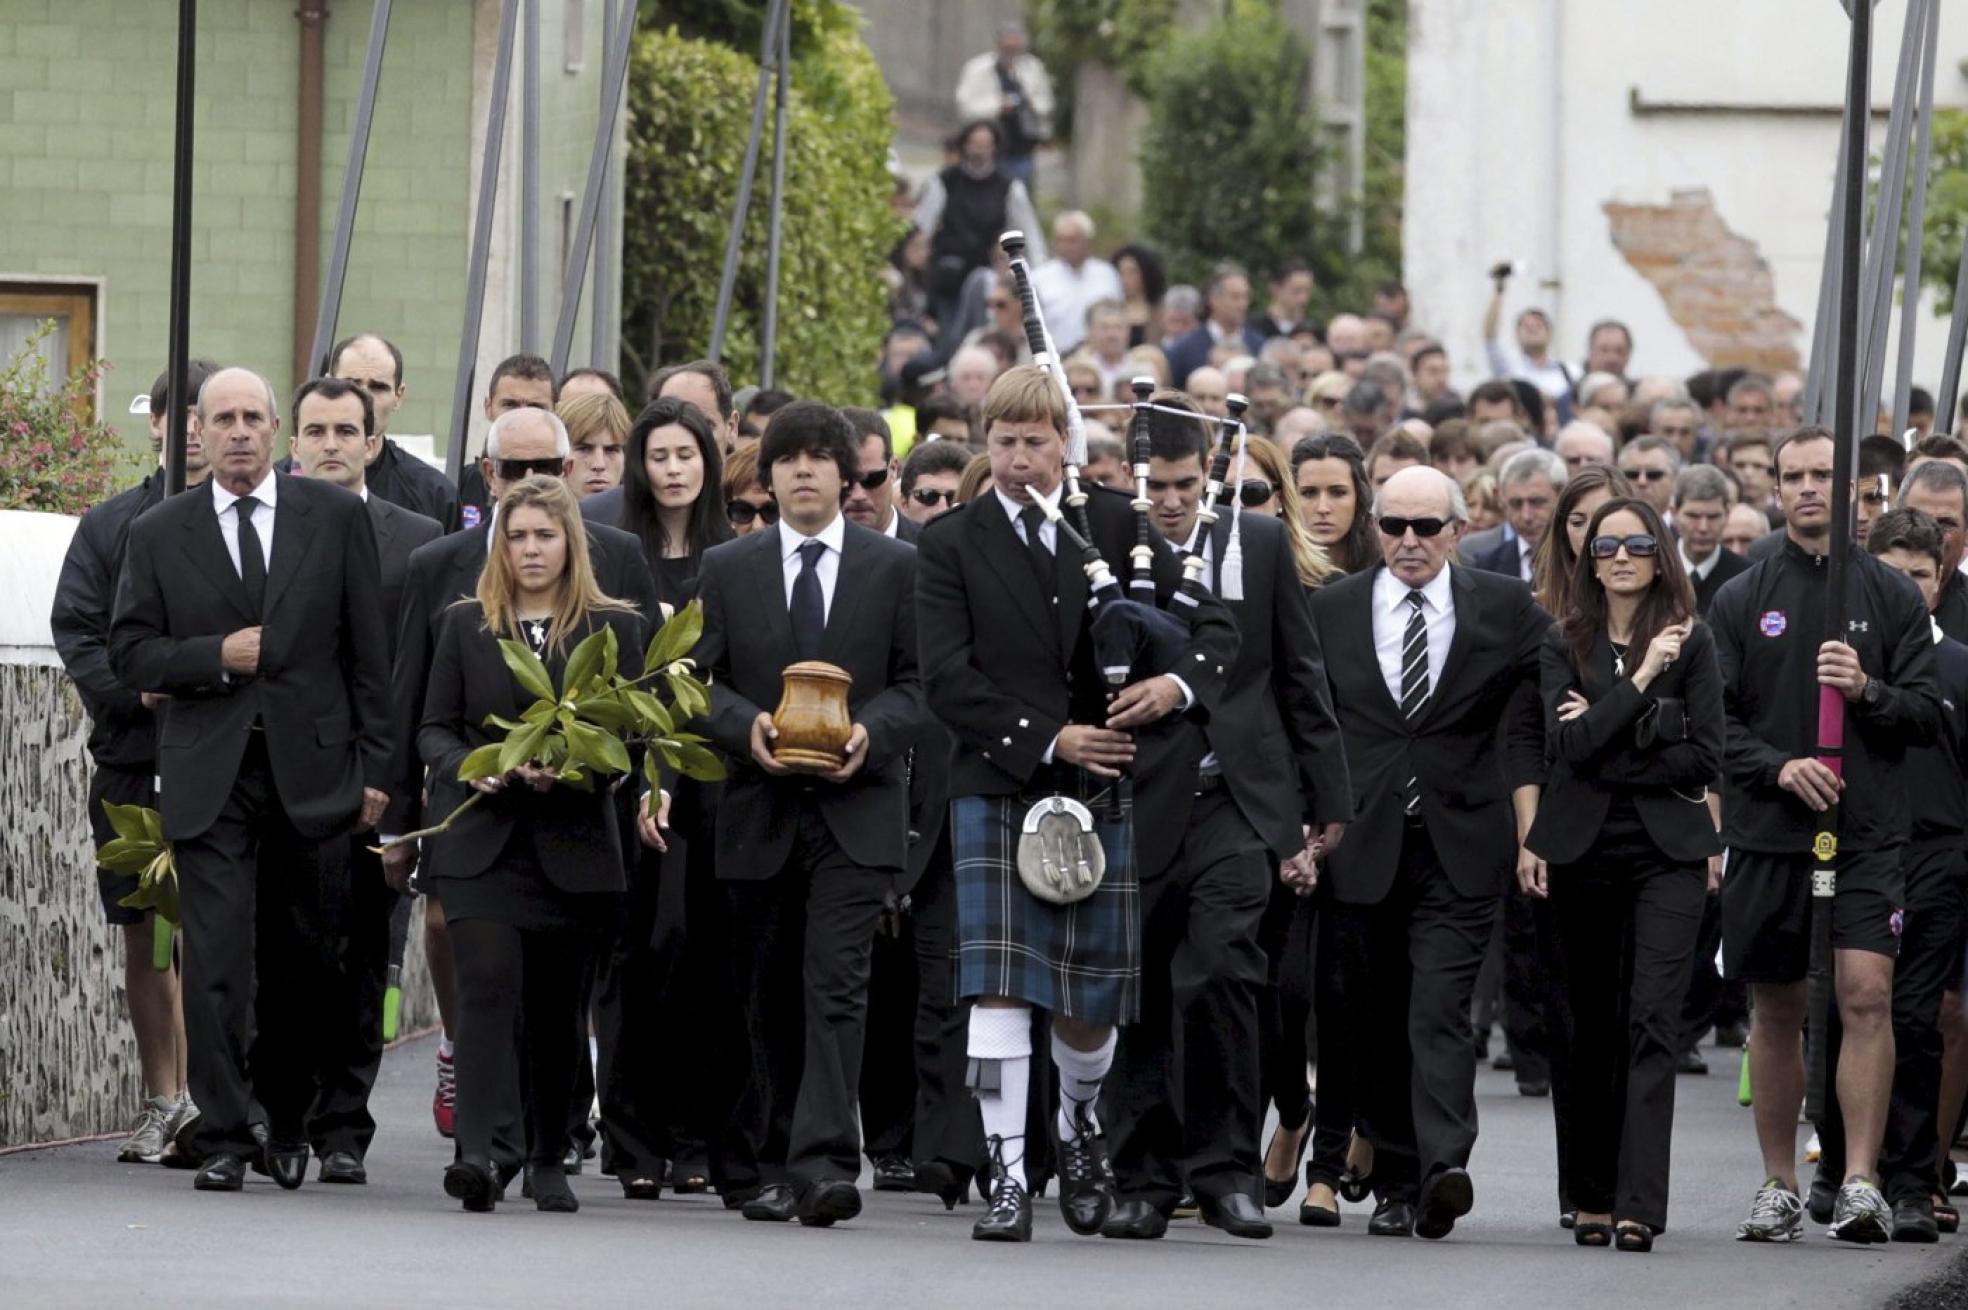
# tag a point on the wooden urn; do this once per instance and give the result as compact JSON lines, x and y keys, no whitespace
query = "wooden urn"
{"x":812,"y":717}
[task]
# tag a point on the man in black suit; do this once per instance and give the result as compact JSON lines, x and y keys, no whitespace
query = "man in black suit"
{"x":123,"y":748}
{"x":522,"y":441}
{"x":1275,"y":765}
{"x":334,"y":440}
{"x":1939,"y":489}
{"x":394,"y":474}
{"x":1528,"y":486}
{"x":1227,"y":298}
{"x":872,"y":491}
{"x":1425,"y":662}
{"x":809,"y":856}
{"x":518,"y":382}
{"x":253,"y":607}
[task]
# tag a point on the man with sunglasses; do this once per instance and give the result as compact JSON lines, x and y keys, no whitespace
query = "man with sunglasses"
{"x":1248,"y":811}
{"x":930,"y":478}
{"x":1769,"y":628}
{"x":1650,"y":464}
{"x":871,"y":491}
{"x":1425,"y":661}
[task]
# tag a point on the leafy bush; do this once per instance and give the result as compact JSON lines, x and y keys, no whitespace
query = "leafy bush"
{"x":1228,"y":155}
{"x":690,"y":103}
{"x":1120,"y":34}
{"x":53,"y":455}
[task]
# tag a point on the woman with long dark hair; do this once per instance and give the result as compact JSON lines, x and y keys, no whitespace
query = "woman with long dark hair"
{"x":1633,"y":712}
{"x":530,"y":877}
{"x":1330,"y":471}
{"x":673,"y":493}
{"x":1558,"y":554}
{"x":1143,"y":284}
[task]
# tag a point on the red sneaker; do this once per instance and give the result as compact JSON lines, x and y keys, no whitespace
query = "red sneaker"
{"x":443,"y":1103}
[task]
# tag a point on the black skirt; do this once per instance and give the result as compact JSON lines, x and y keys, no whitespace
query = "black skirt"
{"x":517,"y":891}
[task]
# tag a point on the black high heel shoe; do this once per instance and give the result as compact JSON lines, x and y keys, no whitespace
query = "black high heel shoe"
{"x":1276,"y":1193}
{"x":943,"y":1181}
{"x":1355,"y":1187}
{"x":1593,"y":1234}
{"x":1634,"y":1237}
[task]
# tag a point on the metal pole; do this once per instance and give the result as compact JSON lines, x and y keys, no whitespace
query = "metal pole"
{"x":1875,"y":309}
{"x":601,"y":303}
{"x":1923,"y":153}
{"x":1944,"y":399}
{"x":529,"y":185}
{"x":481,"y":249}
{"x":1824,"y":329}
{"x":782,"y":56}
{"x":615,"y":73}
{"x":338,"y":255}
{"x":180,"y":333}
{"x":728,"y":279}
{"x":1831,"y":703}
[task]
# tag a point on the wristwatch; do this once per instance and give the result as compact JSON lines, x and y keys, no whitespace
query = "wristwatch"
{"x":1873,"y":691}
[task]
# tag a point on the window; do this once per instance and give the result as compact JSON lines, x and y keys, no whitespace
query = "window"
{"x":26,"y":306}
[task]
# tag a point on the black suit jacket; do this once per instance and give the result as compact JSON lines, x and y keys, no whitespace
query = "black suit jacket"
{"x":1190,"y":351}
{"x":746,"y":646}
{"x":1727,"y":566}
{"x":408,"y":483}
{"x":906,"y":528}
{"x":1276,"y":706}
{"x":1005,"y":668}
{"x":1489,"y":679}
{"x":322,"y":691}
{"x":575,"y":833}
{"x":445,"y":571}
{"x":122,"y":732}
{"x":398,"y":532}
{"x":1505,"y":557}
{"x":1598,"y":755}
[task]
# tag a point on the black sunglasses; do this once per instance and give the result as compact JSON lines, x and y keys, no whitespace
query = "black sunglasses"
{"x":742,"y":512}
{"x":1254,"y":492}
{"x":871,"y":481}
{"x":1399,"y":527}
{"x":512,"y":470}
{"x":1640,"y":546}
{"x":930,"y":497}
{"x":1647,"y":475}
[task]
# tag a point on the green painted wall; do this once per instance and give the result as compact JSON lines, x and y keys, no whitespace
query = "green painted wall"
{"x":86,"y":114}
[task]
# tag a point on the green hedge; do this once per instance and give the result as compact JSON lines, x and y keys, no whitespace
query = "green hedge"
{"x":690,"y":103}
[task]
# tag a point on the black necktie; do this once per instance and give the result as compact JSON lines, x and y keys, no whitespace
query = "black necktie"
{"x":252,"y":558}
{"x":809,"y":606}
{"x":1034,"y":518}
{"x":1414,"y":678}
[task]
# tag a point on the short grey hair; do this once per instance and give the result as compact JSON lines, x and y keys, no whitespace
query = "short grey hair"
{"x":1183,"y":298}
{"x":514,"y":417}
{"x":1640,"y":445}
{"x":1592,"y":383}
{"x":1705,"y":482}
{"x":1075,"y":218}
{"x":1458,"y":503}
{"x":1533,"y":463}
{"x":1672,"y":402}
{"x":273,"y":405}
{"x":1937,"y":475}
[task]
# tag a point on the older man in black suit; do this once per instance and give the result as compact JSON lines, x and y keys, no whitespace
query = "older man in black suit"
{"x":254,"y":608}
{"x":334,"y":441}
{"x":1425,"y":661}
{"x":809,"y":856}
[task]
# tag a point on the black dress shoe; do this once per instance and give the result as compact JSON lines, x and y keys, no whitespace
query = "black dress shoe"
{"x":342,"y":1167}
{"x":1133,"y":1220}
{"x":1236,"y":1214}
{"x":472,"y":1184}
{"x":1009,"y":1216}
{"x":1691,"y":1061}
{"x":1823,"y":1197}
{"x":828,"y":1203}
{"x":1504,"y":1062}
{"x":775,"y":1204}
{"x":1913,"y":1221}
{"x":894,"y":1174}
{"x":1084,"y":1197}
{"x":1446,"y":1197}
{"x":1392,"y":1219}
{"x":738,"y":1197}
{"x":1535,"y":1087}
{"x":943,"y":1181}
{"x":571,"y":1161}
{"x":220,"y":1173}
{"x":288,"y":1164}
{"x":552,"y":1194}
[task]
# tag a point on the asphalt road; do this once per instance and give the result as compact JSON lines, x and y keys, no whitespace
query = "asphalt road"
{"x":76,"y":1228}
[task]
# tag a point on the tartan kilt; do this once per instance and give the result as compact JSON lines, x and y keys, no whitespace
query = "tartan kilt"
{"x":1081,"y":960}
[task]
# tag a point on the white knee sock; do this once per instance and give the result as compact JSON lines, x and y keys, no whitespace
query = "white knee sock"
{"x":1080,"y":1073}
{"x":1003,"y":1035}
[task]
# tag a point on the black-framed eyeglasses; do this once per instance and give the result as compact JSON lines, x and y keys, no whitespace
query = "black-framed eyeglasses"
{"x":1254,"y":492}
{"x":1640,"y":545}
{"x":512,"y":470}
{"x":873,"y":481}
{"x":742,"y":512}
{"x":1399,"y":527}
{"x":931,"y":497}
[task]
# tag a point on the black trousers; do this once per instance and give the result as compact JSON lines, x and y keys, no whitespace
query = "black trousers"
{"x":1713,"y":1001}
{"x":1929,"y":963}
{"x":1184,"y":1099}
{"x":888,"y":1057}
{"x":519,"y":991}
{"x":947,"y":1128}
{"x":351,"y":1051}
{"x":1284,"y":1010}
{"x":807,"y":932}
{"x":632,"y":1062}
{"x":264,"y":910}
{"x":1422,"y":947}
{"x":1342,"y":994}
{"x":1629,"y":917}
{"x":1525,"y":982}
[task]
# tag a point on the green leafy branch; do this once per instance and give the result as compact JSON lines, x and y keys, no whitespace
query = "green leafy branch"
{"x":139,"y":848}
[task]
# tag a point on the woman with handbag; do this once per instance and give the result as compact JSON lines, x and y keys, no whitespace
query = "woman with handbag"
{"x":1633,"y":708}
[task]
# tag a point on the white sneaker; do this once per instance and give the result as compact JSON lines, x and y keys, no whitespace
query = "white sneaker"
{"x":1776,"y":1215}
{"x":145,"y":1145}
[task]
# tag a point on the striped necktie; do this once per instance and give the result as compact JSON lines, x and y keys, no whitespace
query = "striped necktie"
{"x":1414,"y":679}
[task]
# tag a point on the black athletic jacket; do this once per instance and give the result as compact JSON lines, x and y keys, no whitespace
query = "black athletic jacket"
{"x":1934,"y":773}
{"x":1769,"y":623}
{"x":121,"y":731}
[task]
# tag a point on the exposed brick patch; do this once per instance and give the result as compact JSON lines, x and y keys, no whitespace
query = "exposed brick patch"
{"x":1713,"y":281}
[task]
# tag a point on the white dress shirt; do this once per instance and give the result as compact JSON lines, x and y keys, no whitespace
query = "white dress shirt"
{"x":894,"y":528}
{"x":1048,"y":534}
{"x":1066,"y":293}
{"x":828,"y":568}
{"x":222,"y":504}
{"x":1390,"y":625}
{"x":1698,"y":573}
